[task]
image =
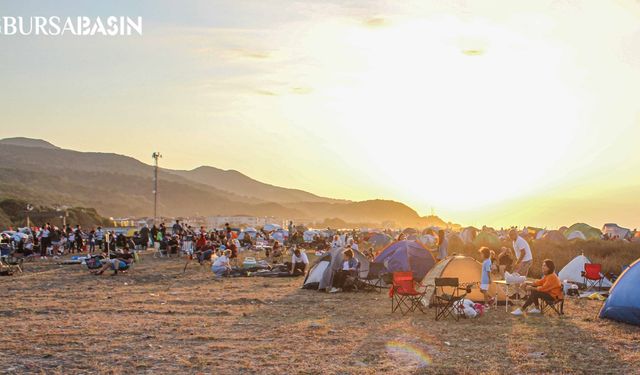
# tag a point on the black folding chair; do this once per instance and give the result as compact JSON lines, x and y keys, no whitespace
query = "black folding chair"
{"x":373,"y":280}
{"x":557,"y":305}
{"x":447,"y":298}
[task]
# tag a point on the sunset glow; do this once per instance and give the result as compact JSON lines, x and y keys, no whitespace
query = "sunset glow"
{"x":486,"y":112}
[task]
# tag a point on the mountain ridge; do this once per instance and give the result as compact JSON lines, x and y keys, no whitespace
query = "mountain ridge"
{"x":119,"y":185}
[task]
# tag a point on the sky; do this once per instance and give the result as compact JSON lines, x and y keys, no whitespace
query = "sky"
{"x":483,"y":112}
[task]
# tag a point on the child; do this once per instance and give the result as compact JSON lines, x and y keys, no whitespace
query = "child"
{"x":485,"y":280}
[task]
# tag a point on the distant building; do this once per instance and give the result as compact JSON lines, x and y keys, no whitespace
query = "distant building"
{"x":241,"y":221}
{"x":123,"y":222}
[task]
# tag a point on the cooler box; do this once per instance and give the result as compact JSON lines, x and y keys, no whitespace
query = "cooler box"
{"x":249,"y":262}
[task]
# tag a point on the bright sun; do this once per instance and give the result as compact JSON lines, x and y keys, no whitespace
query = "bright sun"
{"x":440,"y":107}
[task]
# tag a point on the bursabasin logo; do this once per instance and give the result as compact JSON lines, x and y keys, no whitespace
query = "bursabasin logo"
{"x":77,"y":26}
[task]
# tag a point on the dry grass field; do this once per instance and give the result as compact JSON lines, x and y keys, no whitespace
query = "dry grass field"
{"x":155,"y":319}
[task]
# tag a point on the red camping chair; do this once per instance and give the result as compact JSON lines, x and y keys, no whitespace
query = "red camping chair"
{"x":592,"y":275}
{"x":404,"y":295}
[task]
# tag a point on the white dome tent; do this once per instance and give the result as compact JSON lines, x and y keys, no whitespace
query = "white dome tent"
{"x":576,"y":235}
{"x":573,"y":271}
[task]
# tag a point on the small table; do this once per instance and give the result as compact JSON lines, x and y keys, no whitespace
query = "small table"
{"x":505,"y":287}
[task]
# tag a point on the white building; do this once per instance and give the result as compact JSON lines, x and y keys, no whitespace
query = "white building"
{"x":241,"y":221}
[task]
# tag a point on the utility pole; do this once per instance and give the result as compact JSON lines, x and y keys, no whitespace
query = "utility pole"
{"x":29,"y":209}
{"x":155,"y":156}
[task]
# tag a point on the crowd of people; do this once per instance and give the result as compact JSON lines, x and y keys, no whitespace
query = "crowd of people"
{"x":221,"y":248}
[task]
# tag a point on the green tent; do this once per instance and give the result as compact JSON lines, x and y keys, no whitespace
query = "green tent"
{"x":487,"y":239}
{"x":589,"y":232}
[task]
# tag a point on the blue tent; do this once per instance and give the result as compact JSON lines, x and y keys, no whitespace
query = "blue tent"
{"x":623,"y":303}
{"x":379,"y":240}
{"x":407,"y":256}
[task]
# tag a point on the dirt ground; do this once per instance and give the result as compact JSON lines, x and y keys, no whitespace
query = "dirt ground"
{"x":155,"y":319}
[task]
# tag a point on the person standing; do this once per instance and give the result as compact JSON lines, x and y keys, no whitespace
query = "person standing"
{"x":154,"y":234}
{"x":524,"y":258}
{"x":99,"y":238}
{"x":144,"y":237}
{"x":177,"y":228}
{"x":44,"y":241}
{"x":92,"y":241}
{"x":485,"y":278}
{"x":443,"y":245}
{"x":79,"y":241}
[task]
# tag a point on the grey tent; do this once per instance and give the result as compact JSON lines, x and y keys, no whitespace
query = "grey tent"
{"x":320,"y":275}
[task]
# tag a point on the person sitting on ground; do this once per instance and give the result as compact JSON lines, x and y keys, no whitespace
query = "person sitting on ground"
{"x":349,"y":268}
{"x":494,"y":263}
{"x":549,"y":288}
{"x":299,"y":262}
{"x":173,"y":244}
{"x":221,"y":266}
{"x":120,"y":261}
{"x":201,"y":242}
{"x":233,"y":258}
{"x":276,"y":252}
{"x":205,"y":255}
{"x":505,"y":261}
{"x":370,"y":254}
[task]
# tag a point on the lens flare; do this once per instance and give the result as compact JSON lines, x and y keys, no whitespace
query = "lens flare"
{"x":410,"y":350}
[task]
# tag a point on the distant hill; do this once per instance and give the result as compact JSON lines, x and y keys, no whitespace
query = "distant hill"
{"x":238,"y":183}
{"x":27,"y":142}
{"x":118,"y":185}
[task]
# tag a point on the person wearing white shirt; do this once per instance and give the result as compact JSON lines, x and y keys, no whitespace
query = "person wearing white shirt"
{"x":336,"y":243}
{"x":524,"y":258}
{"x":299,"y":262}
{"x":221,"y":266}
{"x":44,"y":241}
{"x":353,"y":245}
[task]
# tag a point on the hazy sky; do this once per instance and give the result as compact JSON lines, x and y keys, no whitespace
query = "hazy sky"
{"x":519,"y":112}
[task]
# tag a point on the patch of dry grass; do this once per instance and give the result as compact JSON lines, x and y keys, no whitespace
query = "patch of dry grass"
{"x":61,"y":319}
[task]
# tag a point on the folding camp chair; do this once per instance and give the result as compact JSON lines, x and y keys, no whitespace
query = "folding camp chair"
{"x":592,"y":275}
{"x":557,"y":305}
{"x":373,"y":280}
{"x":446,"y":298}
{"x":8,"y":260}
{"x":403,"y":293}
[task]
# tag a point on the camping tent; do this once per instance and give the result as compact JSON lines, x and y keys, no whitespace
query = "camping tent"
{"x":428,"y":239}
{"x":455,"y":243}
{"x":572,"y":271}
{"x":576,"y":235}
{"x":467,"y":270}
{"x":280,"y":235}
{"x":308,"y":235}
{"x":554,"y":236}
{"x":251,"y":232}
{"x":379,"y":240}
{"x":488,"y":239}
{"x":623,"y":303}
{"x":271,"y":227}
{"x":407,"y":256}
{"x":615,"y":231}
{"x":468,"y":234}
{"x":321,"y":273}
{"x":589,"y":232}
